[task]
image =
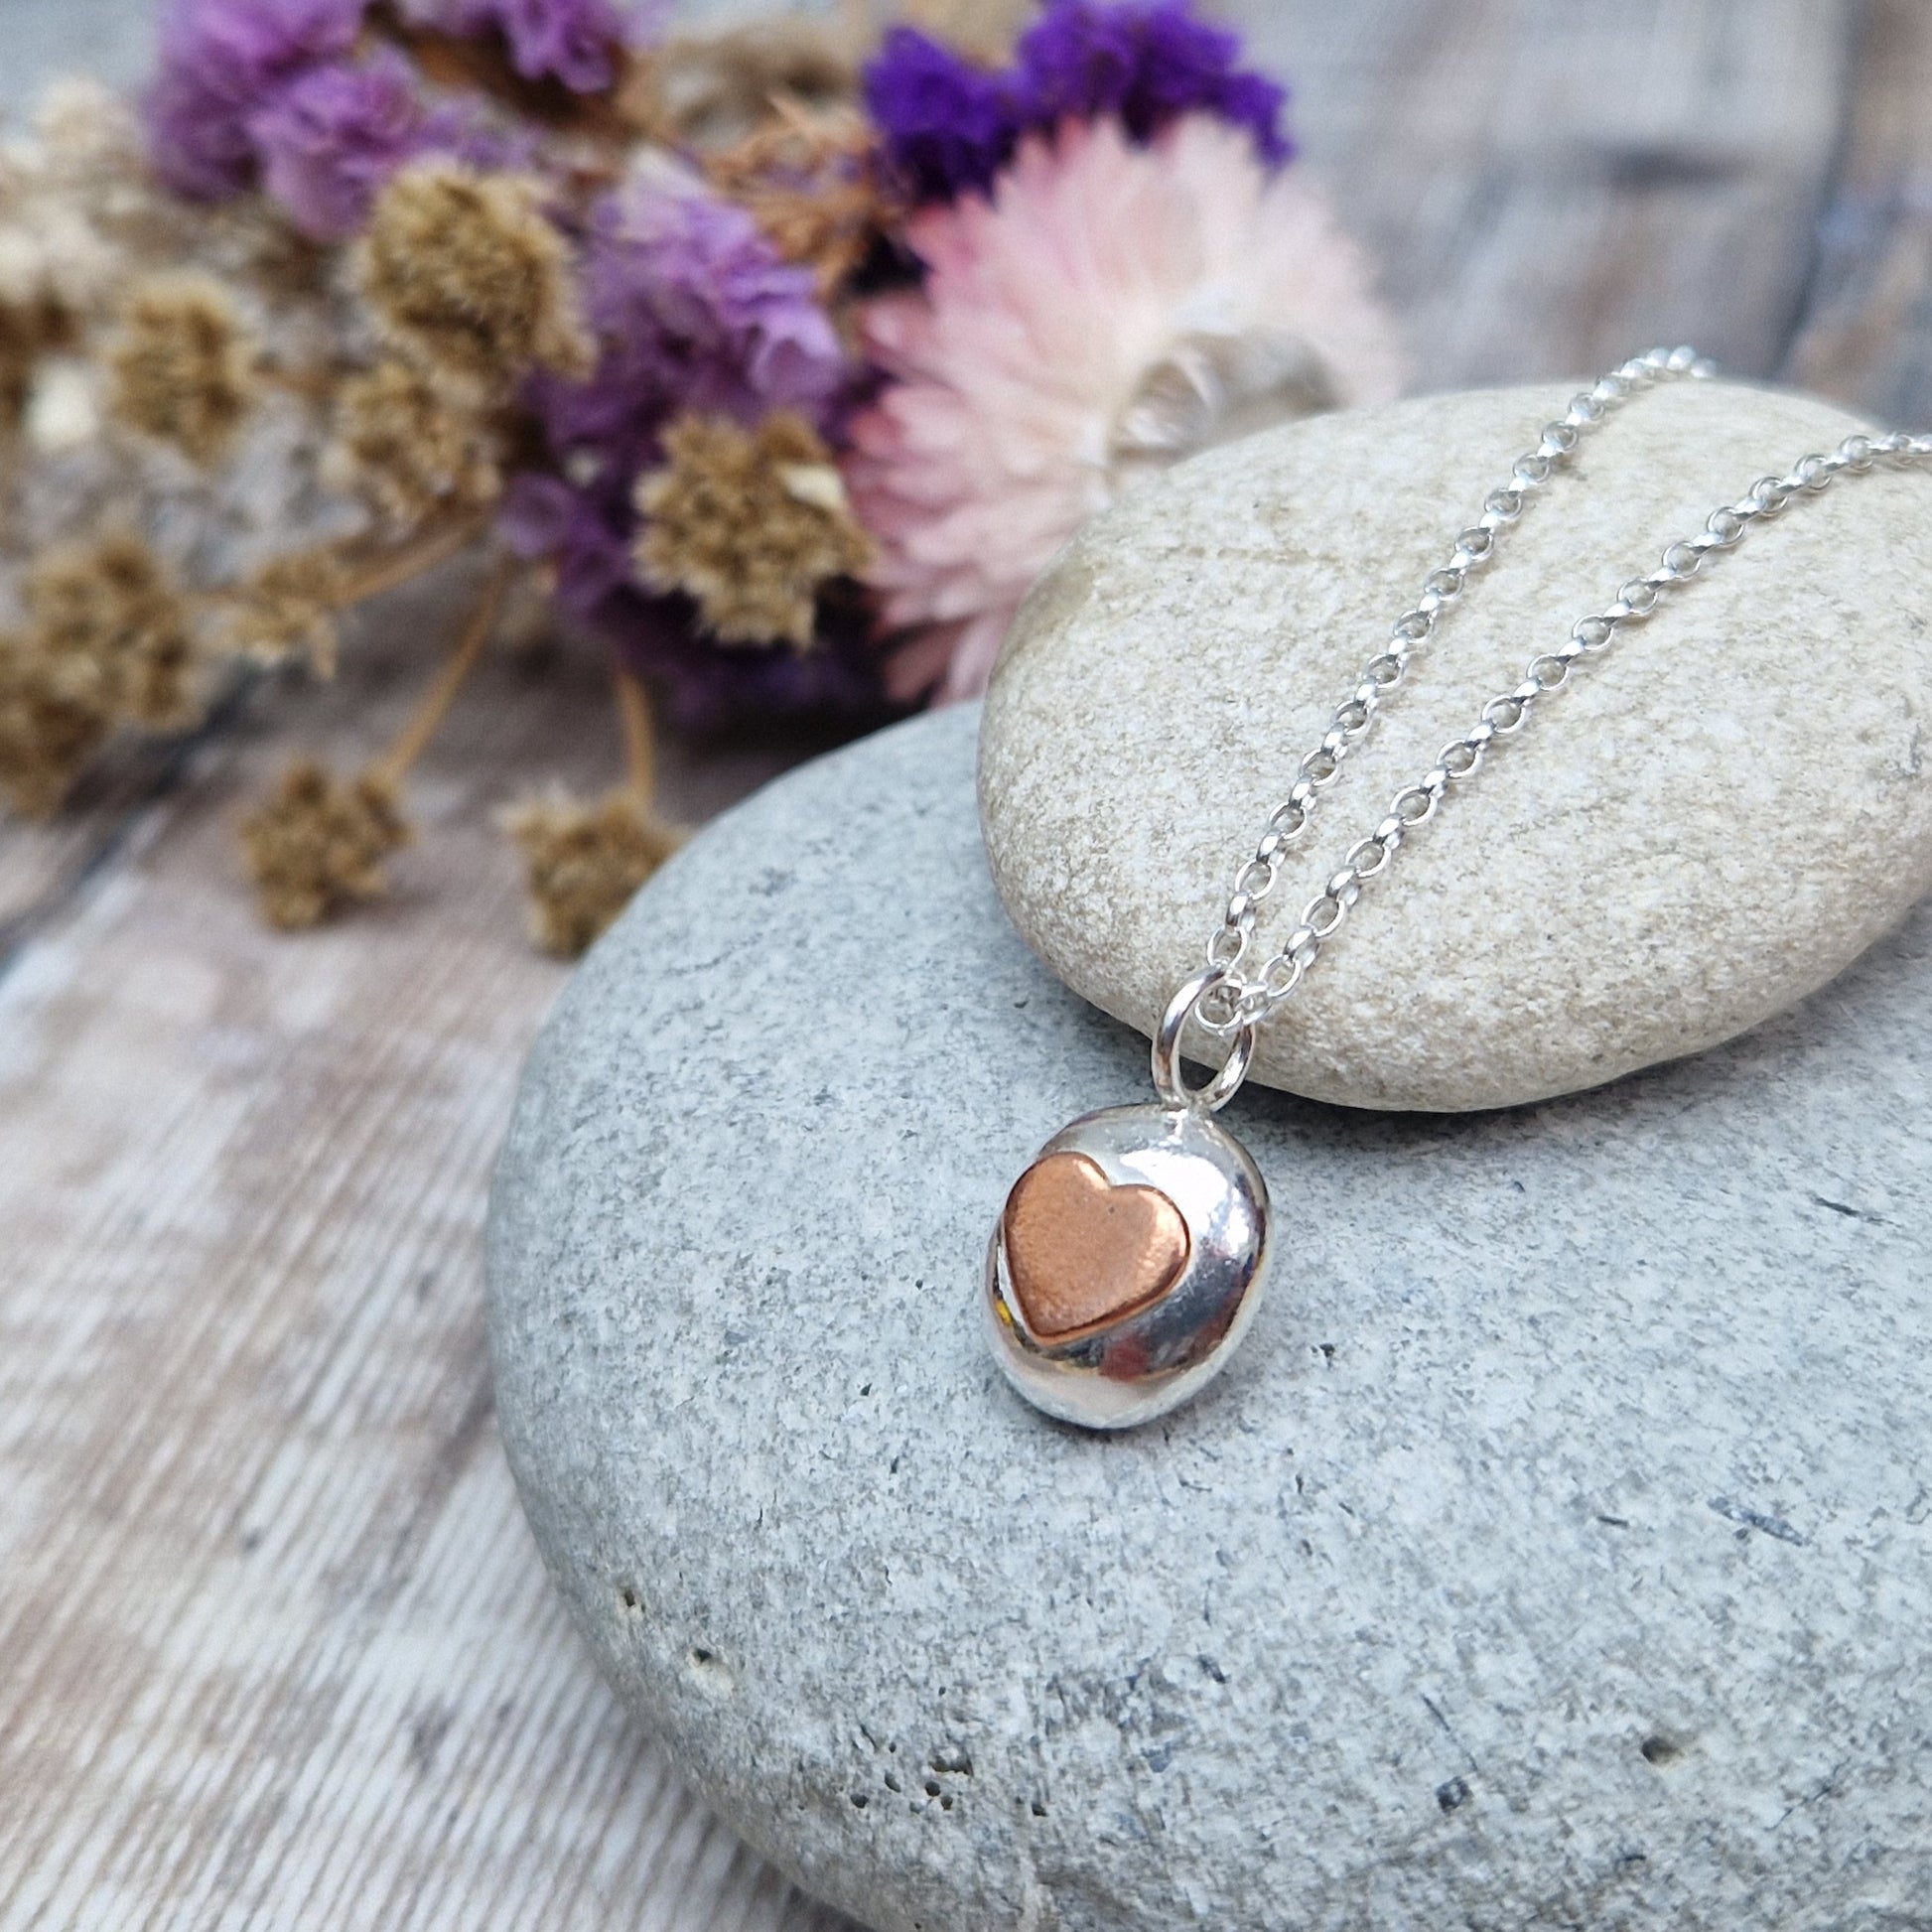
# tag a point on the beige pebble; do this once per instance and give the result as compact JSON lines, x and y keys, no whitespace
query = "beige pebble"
{"x":1716,"y":817}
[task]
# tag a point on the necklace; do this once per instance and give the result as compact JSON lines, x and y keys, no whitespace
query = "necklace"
{"x":1130,"y":1256}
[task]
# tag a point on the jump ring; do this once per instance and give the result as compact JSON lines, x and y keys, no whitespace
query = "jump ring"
{"x":1168,"y":1080}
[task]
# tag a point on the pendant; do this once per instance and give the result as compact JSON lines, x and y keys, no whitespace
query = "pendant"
{"x":1130,"y":1256}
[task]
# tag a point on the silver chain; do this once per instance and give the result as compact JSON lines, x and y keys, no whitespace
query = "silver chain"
{"x":1230,"y":1001}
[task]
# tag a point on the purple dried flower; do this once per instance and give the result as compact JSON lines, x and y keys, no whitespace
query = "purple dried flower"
{"x":577,"y":532}
{"x":712,"y":687}
{"x":1146,"y":64}
{"x":948,"y":125}
{"x":330,"y":137}
{"x":572,"y":41}
{"x":221,"y":60}
{"x":693,"y":309}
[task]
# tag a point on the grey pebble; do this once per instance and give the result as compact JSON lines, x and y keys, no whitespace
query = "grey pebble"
{"x":1557,"y":1552}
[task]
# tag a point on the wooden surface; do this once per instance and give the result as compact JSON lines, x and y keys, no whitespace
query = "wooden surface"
{"x":275,"y":1649}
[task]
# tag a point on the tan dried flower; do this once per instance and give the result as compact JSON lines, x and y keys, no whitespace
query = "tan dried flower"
{"x":114,"y":630}
{"x":60,"y":193}
{"x":316,"y":844}
{"x":87,"y":134}
{"x":469,"y":280}
{"x":289,"y":606}
{"x":582,"y":863}
{"x":751,"y":525}
{"x":28,"y":330}
{"x":47,"y":733}
{"x":409,"y":448}
{"x":809,"y":182}
{"x":182,"y":367}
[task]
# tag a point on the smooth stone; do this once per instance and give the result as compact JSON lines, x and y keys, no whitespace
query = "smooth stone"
{"x":1557,"y":1550}
{"x":1711,"y":820}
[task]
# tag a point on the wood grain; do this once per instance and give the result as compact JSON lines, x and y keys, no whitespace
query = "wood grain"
{"x":275,"y":1649}
{"x":1553,"y":184}
{"x":1867,"y":331}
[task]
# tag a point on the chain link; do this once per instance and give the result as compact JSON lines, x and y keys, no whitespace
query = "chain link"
{"x":1230,"y":1001}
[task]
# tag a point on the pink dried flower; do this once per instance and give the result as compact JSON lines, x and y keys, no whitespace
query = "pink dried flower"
{"x":1110,"y":311}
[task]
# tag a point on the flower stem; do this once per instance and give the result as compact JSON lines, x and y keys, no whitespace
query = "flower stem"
{"x":433,"y":708}
{"x":410,"y":560}
{"x":639,"y":749}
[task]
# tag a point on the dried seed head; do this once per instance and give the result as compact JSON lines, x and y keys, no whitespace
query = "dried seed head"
{"x":114,"y":631}
{"x":985,"y":29}
{"x":809,"y":182}
{"x":287,"y":608}
{"x":47,"y":733}
{"x":28,"y":330}
{"x":708,"y":90}
{"x":582,"y":864}
{"x":466,"y":278}
{"x":750,"y":524}
{"x":411,"y":449}
{"x":90,"y":135}
{"x":315,"y":844}
{"x":183,"y":366}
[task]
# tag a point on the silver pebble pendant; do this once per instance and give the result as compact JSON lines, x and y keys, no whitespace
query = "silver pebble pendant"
{"x":1129,"y":1258}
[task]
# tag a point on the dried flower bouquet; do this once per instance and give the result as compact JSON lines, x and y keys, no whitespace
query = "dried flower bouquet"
{"x":780,"y":360}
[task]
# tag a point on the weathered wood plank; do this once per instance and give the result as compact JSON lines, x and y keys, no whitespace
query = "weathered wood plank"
{"x":1550,"y":186}
{"x":276,"y":1647}
{"x":1866,"y":330}
{"x":108,"y":37}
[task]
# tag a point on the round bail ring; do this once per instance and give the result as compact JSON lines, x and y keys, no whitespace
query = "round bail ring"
{"x":1168,"y":1080}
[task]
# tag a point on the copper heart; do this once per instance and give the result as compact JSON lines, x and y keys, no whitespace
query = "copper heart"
{"x":1082,"y":1252}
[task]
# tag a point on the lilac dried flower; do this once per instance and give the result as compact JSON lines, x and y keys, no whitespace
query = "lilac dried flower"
{"x":693,"y":309}
{"x":330,"y":138}
{"x":580,"y":535}
{"x":1146,"y":65}
{"x":948,"y":126}
{"x":572,"y":41}
{"x":221,"y":62}
{"x":576,"y":41}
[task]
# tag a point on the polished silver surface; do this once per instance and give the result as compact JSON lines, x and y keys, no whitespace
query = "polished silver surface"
{"x":1143,"y":1365}
{"x":1170,"y":1082}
